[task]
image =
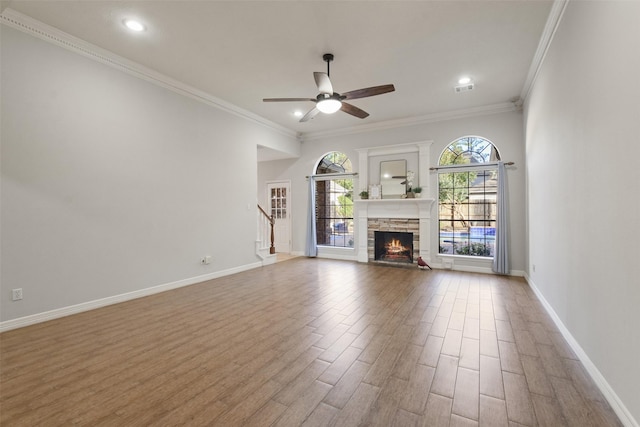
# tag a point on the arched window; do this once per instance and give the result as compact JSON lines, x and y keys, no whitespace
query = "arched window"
{"x":467,"y":187}
{"x":334,"y":162}
{"x":334,"y":201}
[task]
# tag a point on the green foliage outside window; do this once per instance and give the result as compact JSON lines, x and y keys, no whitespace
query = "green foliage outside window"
{"x":453,"y":187}
{"x":475,"y":249}
{"x":345,"y":201}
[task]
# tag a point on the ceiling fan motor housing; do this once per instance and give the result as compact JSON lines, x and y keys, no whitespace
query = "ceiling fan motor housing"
{"x":325,"y":96}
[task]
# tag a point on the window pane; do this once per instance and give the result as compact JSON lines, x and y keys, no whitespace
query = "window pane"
{"x":461,"y":201}
{"x":485,"y":151}
{"x":477,"y":211}
{"x":445,"y":180}
{"x":334,"y":162}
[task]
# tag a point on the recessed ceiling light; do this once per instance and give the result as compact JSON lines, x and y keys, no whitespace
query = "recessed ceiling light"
{"x":297,"y":113}
{"x":134,"y":25}
{"x":464,"y":80}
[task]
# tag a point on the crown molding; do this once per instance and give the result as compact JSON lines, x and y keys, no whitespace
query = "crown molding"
{"x":413,"y":121}
{"x":385,"y":150}
{"x":50,"y":34}
{"x":550,"y":27}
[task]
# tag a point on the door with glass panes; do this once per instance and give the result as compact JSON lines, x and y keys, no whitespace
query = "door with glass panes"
{"x":279,"y":195}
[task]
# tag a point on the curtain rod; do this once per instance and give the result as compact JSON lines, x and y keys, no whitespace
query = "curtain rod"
{"x":473,"y":165}
{"x":332,"y":174}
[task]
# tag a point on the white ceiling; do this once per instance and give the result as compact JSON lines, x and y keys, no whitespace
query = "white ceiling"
{"x":243,"y":51}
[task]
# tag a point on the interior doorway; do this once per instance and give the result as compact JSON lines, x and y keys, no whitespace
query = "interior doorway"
{"x":279,"y":197}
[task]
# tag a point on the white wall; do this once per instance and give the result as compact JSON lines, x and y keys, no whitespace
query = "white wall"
{"x":111,"y":184}
{"x":583,"y":188}
{"x":505,"y":130}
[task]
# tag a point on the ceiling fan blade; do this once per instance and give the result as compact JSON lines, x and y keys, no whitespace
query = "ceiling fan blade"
{"x":310,"y":115}
{"x":353,"y":110}
{"x":323,"y":83}
{"x":370,"y":91}
{"x":287,"y":99}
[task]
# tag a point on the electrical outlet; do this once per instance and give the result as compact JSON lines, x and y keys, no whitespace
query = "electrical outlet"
{"x":205,"y":260}
{"x":16,"y":294}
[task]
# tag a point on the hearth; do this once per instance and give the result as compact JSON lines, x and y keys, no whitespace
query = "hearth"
{"x":391,"y":246}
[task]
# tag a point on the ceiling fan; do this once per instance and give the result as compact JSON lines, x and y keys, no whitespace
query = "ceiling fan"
{"x":329,"y":102}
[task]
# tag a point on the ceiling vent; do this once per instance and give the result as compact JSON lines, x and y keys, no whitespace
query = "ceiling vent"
{"x":463,"y":88}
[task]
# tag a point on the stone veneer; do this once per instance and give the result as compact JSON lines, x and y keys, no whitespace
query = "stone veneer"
{"x":400,"y":225}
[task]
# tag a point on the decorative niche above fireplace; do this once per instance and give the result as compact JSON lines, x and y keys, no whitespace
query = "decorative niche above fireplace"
{"x":372,"y":163}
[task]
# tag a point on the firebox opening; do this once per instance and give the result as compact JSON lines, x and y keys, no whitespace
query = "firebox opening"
{"x":393,"y":246}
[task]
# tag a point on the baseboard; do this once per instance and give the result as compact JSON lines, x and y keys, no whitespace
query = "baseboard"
{"x":91,"y":305}
{"x":474,"y":269}
{"x":269,"y":259}
{"x":471,"y":269}
{"x":616,"y":404}
{"x":343,"y":254}
{"x":469,"y":264}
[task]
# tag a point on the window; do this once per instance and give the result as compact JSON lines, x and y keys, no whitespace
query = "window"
{"x":467,"y":186}
{"x":279,"y":202}
{"x":334,"y":201}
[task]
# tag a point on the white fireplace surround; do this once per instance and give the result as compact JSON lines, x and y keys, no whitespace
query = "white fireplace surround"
{"x":418,"y":208}
{"x":395,"y":208}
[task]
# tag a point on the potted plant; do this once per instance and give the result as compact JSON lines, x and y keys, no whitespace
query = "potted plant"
{"x":417,"y":191}
{"x":364,"y":194}
{"x":409,"y":183}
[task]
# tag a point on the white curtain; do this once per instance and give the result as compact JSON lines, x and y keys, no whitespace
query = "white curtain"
{"x":311,"y":248}
{"x":501,"y":255}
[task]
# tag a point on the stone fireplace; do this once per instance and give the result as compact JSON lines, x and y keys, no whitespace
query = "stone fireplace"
{"x":411,"y":217}
{"x":393,"y":240}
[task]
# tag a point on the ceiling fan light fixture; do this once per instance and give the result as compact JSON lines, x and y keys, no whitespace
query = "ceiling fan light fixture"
{"x":329,"y":105}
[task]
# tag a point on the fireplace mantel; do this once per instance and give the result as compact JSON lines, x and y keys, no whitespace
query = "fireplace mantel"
{"x":417,"y":200}
{"x":395,"y":209}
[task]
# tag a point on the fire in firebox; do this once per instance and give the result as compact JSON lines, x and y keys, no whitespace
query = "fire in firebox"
{"x":394,"y":246}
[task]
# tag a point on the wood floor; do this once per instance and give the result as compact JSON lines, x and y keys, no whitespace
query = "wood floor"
{"x":283,"y":256}
{"x":305,"y":342}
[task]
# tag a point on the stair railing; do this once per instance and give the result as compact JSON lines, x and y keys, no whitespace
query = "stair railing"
{"x":265,"y":229}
